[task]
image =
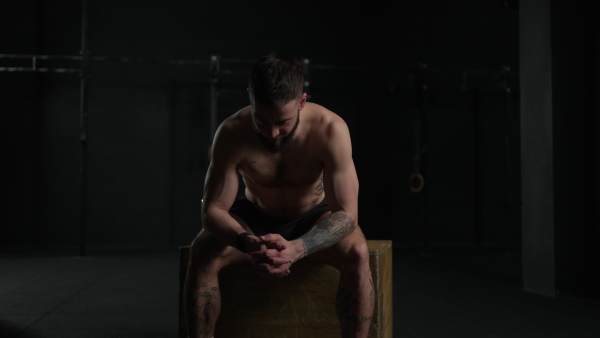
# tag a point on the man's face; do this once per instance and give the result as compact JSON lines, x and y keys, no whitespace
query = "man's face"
{"x":276,"y":126}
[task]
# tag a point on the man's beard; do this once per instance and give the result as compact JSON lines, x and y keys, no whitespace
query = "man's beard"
{"x":280,"y":143}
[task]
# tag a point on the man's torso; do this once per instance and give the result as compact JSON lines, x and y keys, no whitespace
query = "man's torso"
{"x":289,"y":182}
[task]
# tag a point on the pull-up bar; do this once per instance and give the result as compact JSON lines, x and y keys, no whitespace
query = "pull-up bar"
{"x":214,"y":64}
{"x":34,"y":61}
{"x":84,"y":59}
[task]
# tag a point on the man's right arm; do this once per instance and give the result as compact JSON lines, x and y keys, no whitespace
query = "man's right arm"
{"x":221,"y":187}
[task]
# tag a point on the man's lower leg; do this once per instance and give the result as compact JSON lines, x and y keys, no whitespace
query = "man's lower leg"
{"x":355,"y":304}
{"x":203,"y":304}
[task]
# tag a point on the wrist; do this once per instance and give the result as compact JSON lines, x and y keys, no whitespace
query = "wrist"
{"x":240,"y":242}
{"x":252,"y":243}
{"x":300,"y":250}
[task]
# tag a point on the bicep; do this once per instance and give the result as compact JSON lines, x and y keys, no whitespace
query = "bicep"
{"x":220,"y":186}
{"x":339,"y":173}
{"x":221,"y":183}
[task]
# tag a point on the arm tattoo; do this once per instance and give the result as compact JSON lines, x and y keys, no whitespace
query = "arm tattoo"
{"x":328,"y":232}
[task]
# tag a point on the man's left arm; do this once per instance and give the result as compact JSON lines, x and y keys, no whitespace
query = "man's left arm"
{"x":341,"y":190}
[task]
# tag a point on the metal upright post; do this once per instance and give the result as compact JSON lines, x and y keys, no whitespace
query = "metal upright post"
{"x":214,"y":93}
{"x":476,"y":106}
{"x":83,"y":138}
{"x":417,"y":180}
{"x":305,"y":70}
{"x":507,"y":203}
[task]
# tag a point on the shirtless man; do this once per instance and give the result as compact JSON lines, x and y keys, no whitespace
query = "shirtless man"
{"x":301,"y":199}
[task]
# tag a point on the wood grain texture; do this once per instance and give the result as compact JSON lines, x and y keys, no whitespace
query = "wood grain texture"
{"x":300,"y":305}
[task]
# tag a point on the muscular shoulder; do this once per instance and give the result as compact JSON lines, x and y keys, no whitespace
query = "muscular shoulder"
{"x":231,"y":135}
{"x":325,"y":124}
{"x":235,"y":123}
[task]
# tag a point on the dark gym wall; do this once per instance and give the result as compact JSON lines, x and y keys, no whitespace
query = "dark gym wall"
{"x":149,"y":123}
{"x":559,"y":57}
{"x":469,"y":113}
{"x":576,"y":118}
{"x":20,"y":129}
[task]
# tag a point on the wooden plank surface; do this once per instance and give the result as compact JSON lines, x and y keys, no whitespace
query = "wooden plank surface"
{"x":302,"y":304}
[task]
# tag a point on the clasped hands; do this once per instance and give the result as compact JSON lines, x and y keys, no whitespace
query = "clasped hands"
{"x":272,"y":255}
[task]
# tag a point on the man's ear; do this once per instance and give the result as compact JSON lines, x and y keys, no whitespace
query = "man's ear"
{"x":303,"y":100}
{"x":250,"y":98}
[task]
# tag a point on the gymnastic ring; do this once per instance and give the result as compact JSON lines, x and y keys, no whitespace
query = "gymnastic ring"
{"x":420,"y":180}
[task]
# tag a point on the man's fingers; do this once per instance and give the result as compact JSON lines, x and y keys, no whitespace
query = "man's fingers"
{"x":270,"y":259}
{"x":274,"y":241}
{"x":261,"y":266}
{"x":269,"y":237}
{"x":276,"y":245}
{"x":274,"y":261}
{"x":267,"y":271}
{"x":277,"y":261}
{"x":265,"y":254}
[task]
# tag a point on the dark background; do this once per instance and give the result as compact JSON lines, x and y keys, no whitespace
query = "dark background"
{"x":381,"y":66}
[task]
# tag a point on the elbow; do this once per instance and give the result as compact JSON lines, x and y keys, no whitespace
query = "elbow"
{"x":350,"y":215}
{"x":207,"y":216}
{"x":212,"y":214}
{"x":346,"y":221}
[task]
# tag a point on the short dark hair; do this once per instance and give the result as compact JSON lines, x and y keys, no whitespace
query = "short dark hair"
{"x":276,"y":80}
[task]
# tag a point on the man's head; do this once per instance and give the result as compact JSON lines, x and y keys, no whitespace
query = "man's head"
{"x":275,"y":80}
{"x":276,"y":99}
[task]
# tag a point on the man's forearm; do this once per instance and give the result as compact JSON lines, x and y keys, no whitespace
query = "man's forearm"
{"x":328,"y":232}
{"x":222,"y":226}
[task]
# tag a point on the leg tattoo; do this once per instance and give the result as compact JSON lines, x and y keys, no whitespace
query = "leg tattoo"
{"x":204,"y":319}
{"x":214,"y":292}
{"x":349,"y":310}
{"x":204,"y":309}
{"x":346,"y":303}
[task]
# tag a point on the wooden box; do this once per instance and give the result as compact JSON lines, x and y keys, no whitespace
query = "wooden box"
{"x":300,"y":305}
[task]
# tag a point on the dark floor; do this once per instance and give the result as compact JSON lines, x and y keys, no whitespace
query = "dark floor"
{"x":136,"y":295}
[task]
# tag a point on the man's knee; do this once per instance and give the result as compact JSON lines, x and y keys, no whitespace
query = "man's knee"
{"x":355,"y":258}
{"x":206,"y":252}
{"x":209,"y":255}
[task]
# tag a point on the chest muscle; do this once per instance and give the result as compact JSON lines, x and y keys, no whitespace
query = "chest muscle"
{"x":279,"y":171}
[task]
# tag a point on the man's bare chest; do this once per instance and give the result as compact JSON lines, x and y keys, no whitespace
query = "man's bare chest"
{"x":275,"y":170}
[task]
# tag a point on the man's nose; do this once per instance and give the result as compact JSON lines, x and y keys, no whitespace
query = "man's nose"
{"x":274,"y":132}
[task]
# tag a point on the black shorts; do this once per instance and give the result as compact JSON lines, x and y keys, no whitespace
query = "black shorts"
{"x":288,"y":227}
